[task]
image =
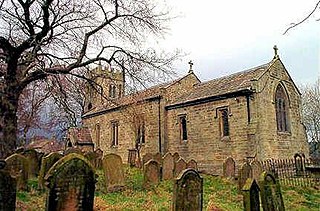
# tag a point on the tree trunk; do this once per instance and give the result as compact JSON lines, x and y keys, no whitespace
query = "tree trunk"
{"x":8,"y":142}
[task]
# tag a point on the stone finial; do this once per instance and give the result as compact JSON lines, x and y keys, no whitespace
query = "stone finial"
{"x":275,"y":48}
{"x":191,"y":64}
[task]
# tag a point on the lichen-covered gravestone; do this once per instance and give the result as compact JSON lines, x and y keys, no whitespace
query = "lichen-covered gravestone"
{"x":256,"y":169}
{"x":93,"y":158}
{"x":151,"y":173}
{"x":179,"y":166}
{"x":46,"y":163}
{"x":251,"y":195}
{"x":188,"y":191}
{"x":7,"y":190}
{"x":113,"y":171}
{"x":192,"y":164}
{"x":229,"y":167}
{"x":271,"y":196}
{"x":244,"y":173}
{"x":18,"y":166}
{"x":167,"y":166}
{"x":71,"y":184}
{"x":33,"y":157}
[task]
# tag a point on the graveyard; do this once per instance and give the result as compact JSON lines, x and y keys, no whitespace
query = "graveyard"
{"x":77,"y":181}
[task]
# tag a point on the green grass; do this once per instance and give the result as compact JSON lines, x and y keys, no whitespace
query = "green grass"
{"x":218,"y":194}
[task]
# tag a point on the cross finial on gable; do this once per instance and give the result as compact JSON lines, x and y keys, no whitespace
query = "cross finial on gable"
{"x":191,"y":64}
{"x":275,"y":48}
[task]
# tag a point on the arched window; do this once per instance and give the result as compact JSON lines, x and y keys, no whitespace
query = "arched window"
{"x":282,"y":109}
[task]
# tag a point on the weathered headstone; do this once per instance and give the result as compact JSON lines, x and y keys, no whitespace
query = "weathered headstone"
{"x":251,"y":195}
{"x":180,"y":165}
{"x":151,"y":173}
{"x":8,"y":187}
{"x":299,"y":164}
{"x":188,"y":191}
{"x":148,"y":156}
{"x":71,"y":183}
{"x":113,"y":171}
{"x":229,"y":167}
{"x":167,"y":167}
{"x":73,"y":150}
{"x":271,"y":196}
{"x":244,"y":173}
{"x":132,"y":156}
{"x":33,"y":157}
{"x":157,"y":157}
{"x":192,"y":164}
{"x":93,"y":158}
{"x":18,"y":166}
{"x":176,"y":157}
{"x":47,"y":162}
{"x":99,"y":159}
{"x":256,"y":169}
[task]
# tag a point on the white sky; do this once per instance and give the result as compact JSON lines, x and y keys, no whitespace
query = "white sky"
{"x":227,"y":36}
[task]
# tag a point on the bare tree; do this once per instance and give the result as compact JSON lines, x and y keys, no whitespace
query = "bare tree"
{"x":41,"y":38}
{"x":311,"y":112}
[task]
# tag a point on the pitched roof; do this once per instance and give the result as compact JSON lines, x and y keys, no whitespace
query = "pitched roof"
{"x":150,"y":93}
{"x":222,"y":86}
{"x":45,"y":145}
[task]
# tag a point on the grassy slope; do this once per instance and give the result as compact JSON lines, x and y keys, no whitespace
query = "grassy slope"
{"x":219,"y":194}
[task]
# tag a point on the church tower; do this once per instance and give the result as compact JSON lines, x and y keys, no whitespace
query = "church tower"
{"x":106,"y":84}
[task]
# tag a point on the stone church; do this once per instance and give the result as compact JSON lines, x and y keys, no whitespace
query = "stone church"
{"x":252,"y":113}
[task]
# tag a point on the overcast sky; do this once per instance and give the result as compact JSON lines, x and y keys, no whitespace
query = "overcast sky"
{"x":223,"y":37}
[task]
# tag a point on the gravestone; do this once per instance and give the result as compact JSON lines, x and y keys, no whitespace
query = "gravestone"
{"x":157,"y":157}
{"x":299,"y":164}
{"x":34,"y":164}
{"x":188,"y":191}
{"x":18,"y":166}
{"x":179,"y":166}
{"x":73,"y":150}
{"x":244,"y":173}
{"x":151,"y":173}
{"x":132,"y":157}
{"x":99,"y":160}
{"x":46,"y":163}
{"x":251,"y":195}
{"x":176,"y":157}
{"x":93,"y":158}
{"x":192,"y":164}
{"x":148,"y":156}
{"x":113,"y":171}
{"x":167,"y":166}
{"x":256,"y":169}
{"x":271,"y":196}
{"x":71,"y":184}
{"x":8,"y":187}
{"x":229,"y":167}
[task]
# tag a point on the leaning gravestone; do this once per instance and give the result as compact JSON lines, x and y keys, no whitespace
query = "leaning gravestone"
{"x":7,"y":190}
{"x":229,"y":167}
{"x":271,"y":196}
{"x":188,"y":191}
{"x":251,"y":195}
{"x":113,"y":171}
{"x":71,"y":184}
{"x":18,"y":166}
{"x":192,"y":164}
{"x":244,"y":173}
{"x":167,"y":166}
{"x":46,"y":163}
{"x":33,"y":157}
{"x":151,"y":173}
{"x":180,"y":165}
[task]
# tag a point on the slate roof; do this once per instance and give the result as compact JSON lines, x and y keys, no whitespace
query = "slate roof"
{"x":45,"y":145}
{"x":222,"y":86}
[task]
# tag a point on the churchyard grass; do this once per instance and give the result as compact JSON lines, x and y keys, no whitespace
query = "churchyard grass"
{"x":218,"y":194}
